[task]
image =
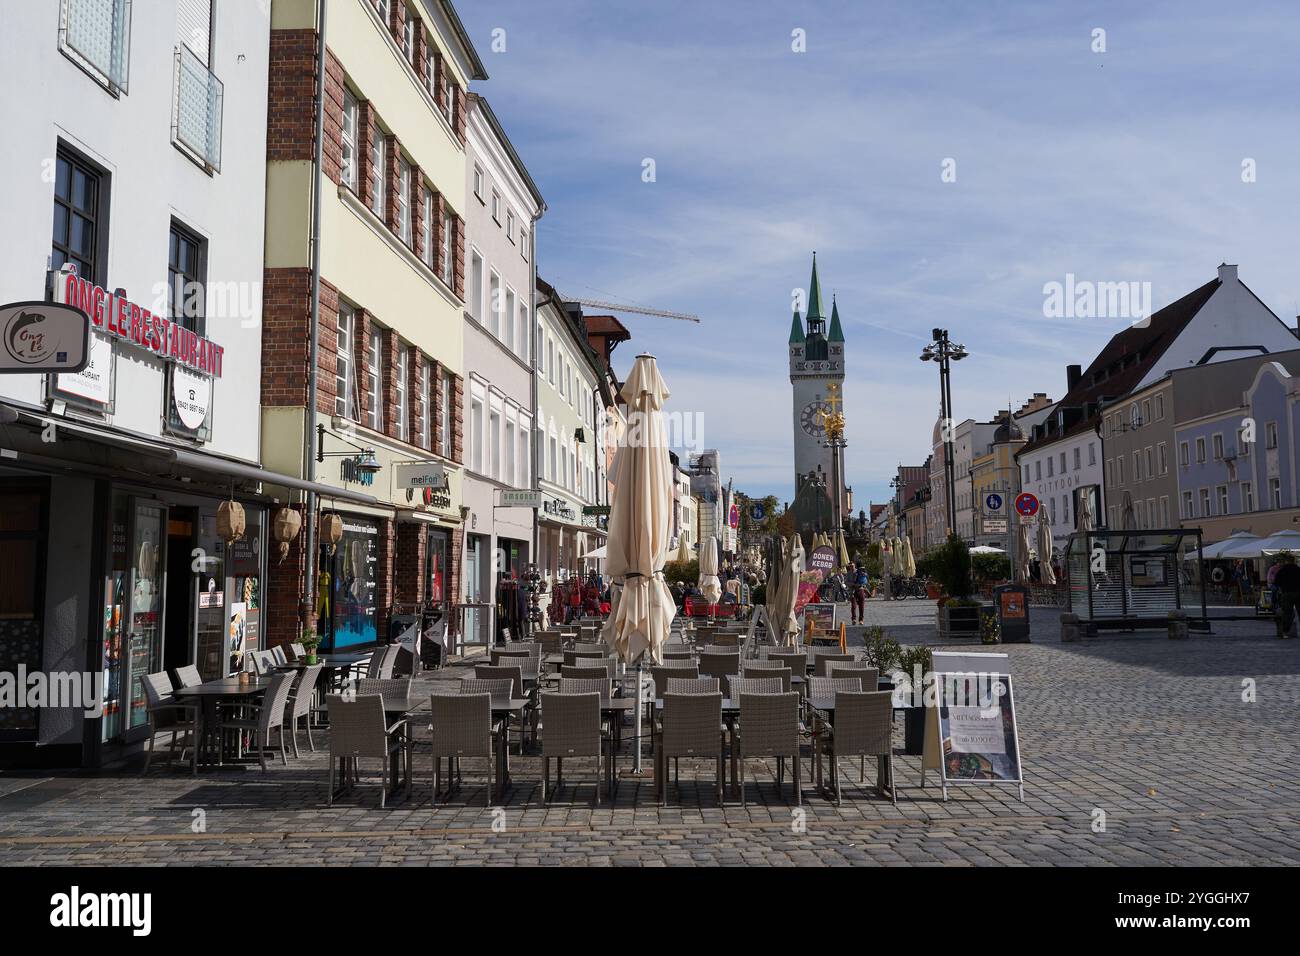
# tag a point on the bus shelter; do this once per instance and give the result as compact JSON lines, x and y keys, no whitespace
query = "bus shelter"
{"x":1132,"y":579}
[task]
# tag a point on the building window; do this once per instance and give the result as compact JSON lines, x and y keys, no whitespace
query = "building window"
{"x":186,"y":296}
{"x":478,"y":181}
{"x":1222,"y":492}
{"x":1189,"y":509}
{"x":430,"y":67}
{"x":80,"y":216}
{"x":1092,"y":454}
{"x":378,"y":150}
{"x":1160,"y":407}
{"x":1119,"y":469}
{"x":525,"y":340}
{"x":404,"y":200}
{"x":525,"y":454}
{"x":523,"y":244}
{"x":496,"y":207}
{"x":508,"y":330}
{"x":1205,"y":502}
{"x":510,"y":225}
{"x":494,"y":303}
{"x":1183,"y":455}
{"x":1137,"y":466}
{"x":493,"y":457}
{"x":96,"y":35}
{"x":1270,"y":433}
{"x":447,"y":264}
{"x":426,"y":224}
{"x":344,"y":399}
{"x":1217,"y":444}
{"x":408,"y":38}
{"x":1275,"y":493}
{"x":1164,"y":510}
{"x":1162,"y":452}
{"x":426,"y":405}
{"x":1243,"y":446}
{"x":374,"y":380}
{"x":508,"y":473}
{"x":403,"y":421}
{"x":1146,"y":463}
{"x":1200,"y":449}
{"x":1247,"y":497}
{"x":476,"y":434}
{"x":1051,"y":465}
{"x":444,"y":414}
{"x":476,"y":292}
{"x":348,"y":165}
{"x":1135,"y":416}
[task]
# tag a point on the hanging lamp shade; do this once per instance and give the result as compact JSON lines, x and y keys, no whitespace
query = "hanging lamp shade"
{"x":331,"y":530}
{"x":285,"y":527}
{"x":231,"y":521}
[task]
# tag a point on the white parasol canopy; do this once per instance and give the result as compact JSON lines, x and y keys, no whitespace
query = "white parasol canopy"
{"x":709,"y":584}
{"x":640,"y":519}
{"x":1086,"y":521}
{"x":909,"y":559}
{"x":986,"y":549}
{"x":780,"y":553}
{"x":683,"y":547}
{"x":1045,"y":572}
{"x":1026,"y":545}
{"x":1223,"y":549}
{"x":786,"y":624}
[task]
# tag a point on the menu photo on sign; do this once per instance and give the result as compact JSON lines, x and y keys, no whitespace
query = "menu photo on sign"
{"x":977,"y":729}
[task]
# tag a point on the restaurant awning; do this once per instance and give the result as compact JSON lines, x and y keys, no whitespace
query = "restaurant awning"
{"x":236,"y":469}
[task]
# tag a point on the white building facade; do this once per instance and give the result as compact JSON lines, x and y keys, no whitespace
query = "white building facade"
{"x":121,"y":199}
{"x":503,"y":207}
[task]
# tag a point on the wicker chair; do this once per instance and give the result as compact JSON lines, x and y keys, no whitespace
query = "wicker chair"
{"x":462,"y":726}
{"x":359,"y":730}
{"x":278,"y":655}
{"x":498,"y":654}
{"x":588,"y":685}
{"x":392,"y":688}
{"x":268,"y":715}
{"x":863,"y":728}
{"x":159,"y":700}
{"x":662,"y":673}
{"x":768,"y":727}
{"x":767,"y":669}
{"x":299,"y":651}
{"x":548,"y":640}
{"x":515,"y":675}
{"x":572,"y":728}
{"x":727,"y":639}
{"x":797,"y":661}
{"x":826,"y":688}
{"x":188,"y":676}
{"x":591,"y":647}
{"x":691,"y":727}
{"x":692,"y":685}
{"x":868,"y":675}
{"x":719,"y":665}
{"x":299,"y":704}
{"x":823,"y":662}
{"x":585,"y":673}
{"x":572,"y":657}
{"x":260,"y":664}
{"x":678,"y":653}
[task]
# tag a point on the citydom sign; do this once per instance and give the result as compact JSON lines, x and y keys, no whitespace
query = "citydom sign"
{"x":119,"y":318}
{"x":43,"y":337}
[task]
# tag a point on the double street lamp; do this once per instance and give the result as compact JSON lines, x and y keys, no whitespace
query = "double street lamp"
{"x":943,"y":351}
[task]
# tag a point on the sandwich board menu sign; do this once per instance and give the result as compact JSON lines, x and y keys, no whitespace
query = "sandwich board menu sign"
{"x":970,"y":733}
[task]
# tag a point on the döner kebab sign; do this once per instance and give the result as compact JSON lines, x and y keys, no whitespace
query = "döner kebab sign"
{"x":119,"y":318}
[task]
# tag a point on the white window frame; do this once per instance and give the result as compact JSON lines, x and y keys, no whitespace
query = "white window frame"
{"x":379,"y":161}
{"x":404,"y":201}
{"x":426,"y":405}
{"x":375,"y":379}
{"x":348,"y":162}
{"x":344,"y":404}
{"x":426,"y":224}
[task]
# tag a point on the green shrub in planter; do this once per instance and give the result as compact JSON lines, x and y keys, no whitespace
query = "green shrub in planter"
{"x":881,"y":652}
{"x":990,"y":627}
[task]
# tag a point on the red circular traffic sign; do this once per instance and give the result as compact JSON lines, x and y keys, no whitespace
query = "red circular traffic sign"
{"x":1027,"y":505}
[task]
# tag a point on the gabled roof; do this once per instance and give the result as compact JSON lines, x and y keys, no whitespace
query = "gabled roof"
{"x":1126,"y":359}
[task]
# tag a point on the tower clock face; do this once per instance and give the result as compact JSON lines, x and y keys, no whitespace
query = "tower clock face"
{"x":811,"y":418}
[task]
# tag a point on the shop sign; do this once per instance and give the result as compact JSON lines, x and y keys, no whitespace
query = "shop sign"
{"x":995,"y":525}
{"x":350,"y":470}
{"x":40,"y":337}
{"x":119,"y":318}
{"x":559,"y":509}
{"x":599,"y":511}
{"x":94,"y":383}
{"x":520,"y":498}
{"x":420,"y":474}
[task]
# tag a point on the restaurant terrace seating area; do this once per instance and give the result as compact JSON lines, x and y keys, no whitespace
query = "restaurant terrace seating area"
{"x":726,"y":718}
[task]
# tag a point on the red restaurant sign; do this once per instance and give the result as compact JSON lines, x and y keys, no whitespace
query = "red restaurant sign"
{"x":119,"y":317}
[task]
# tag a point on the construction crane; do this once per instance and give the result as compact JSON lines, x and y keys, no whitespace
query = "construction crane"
{"x":640,"y":310}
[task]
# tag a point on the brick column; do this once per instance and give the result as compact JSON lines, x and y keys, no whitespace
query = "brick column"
{"x":420,"y":48}
{"x":390,"y":343}
{"x":392,"y":159}
{"x":414,"y":396}
{"x":361,"y":351}
{"x":282,"y":593}
{"x":409,"y":587}
{"x":458,"y":256}
{"x":328,"y":355}
{"x":332,"y":146}
{"x":439,"y":372}
{"x":286,"y":310}
{"x":440,"y":87}
{"x":457,"y":419}
{"x":367,"y":130}
{"x":397,"y":19}
{"x":438,"y":207}
{"x":455,"y":584}
{"x":385,"y":554}
{"x":417,"y":214}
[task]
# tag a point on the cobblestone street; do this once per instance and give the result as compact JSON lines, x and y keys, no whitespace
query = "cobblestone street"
{"x":1152,"y":733}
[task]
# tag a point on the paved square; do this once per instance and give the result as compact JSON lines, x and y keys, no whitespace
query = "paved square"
{"x":1153,"y":733}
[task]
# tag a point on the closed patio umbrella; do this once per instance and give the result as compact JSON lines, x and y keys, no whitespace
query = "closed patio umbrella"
{"x":909,"y":559}
{"x":843,"y":548}
{"x":1086,"y":521}
{"x":683,"y":548}
{"x":1045,"y":571}
{"x":779,"y":556}
{"x":710,"y":586}
{"x":786,"y":623}
{"x":1022,"y":555}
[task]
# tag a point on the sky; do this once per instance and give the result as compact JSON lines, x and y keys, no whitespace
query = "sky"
{"x":1174,"y":148}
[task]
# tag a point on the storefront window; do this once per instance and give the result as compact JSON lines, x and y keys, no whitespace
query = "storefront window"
{"x":245,"y":631}
{"x":347,"y":587}
{"x":436,"y":570}
{"x":132,"y":611}
{"x":23,"y":564}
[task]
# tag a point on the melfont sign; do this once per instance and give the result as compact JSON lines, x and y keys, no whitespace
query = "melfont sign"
{"x":118,"y":317}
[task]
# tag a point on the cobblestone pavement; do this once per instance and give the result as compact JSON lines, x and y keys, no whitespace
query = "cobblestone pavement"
{"x":1154,"y":734}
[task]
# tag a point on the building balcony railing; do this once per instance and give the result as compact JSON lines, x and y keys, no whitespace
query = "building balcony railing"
{"x":96,"y":35}
{"x":196,"y":110}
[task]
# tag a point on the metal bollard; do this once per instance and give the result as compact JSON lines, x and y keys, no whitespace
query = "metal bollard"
{"x":1069,"y":628}
{"x":1178,"y":625}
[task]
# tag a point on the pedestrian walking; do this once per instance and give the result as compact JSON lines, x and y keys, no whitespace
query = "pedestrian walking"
{"x":859,"y":582}
{"x":1287,"y":582}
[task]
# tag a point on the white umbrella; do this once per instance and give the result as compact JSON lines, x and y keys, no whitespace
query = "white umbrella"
{"x":683,"y":548}
{"x":710,"y":586}
{"x":842,"y":549}
{"x":639,"y":521}
{"x":1085,"y":514}
{"x":597,"y":553}
{"x":1219,"y":549}
{"x":787,"y":624}
{"x":909,"y":559}
{"x":779,"y":559}
{"x":986,"y":549}
{"x":1045,"y":571}
{"x":1026,"y":545}
{"x":1279,"y":541}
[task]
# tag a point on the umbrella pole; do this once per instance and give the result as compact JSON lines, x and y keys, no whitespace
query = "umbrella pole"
{"x":636,"y":768}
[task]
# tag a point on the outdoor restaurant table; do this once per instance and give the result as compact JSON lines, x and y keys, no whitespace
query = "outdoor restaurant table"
{"x":210,"y":694}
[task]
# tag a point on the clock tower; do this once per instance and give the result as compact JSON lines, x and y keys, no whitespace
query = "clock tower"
{"x":817,"y":378}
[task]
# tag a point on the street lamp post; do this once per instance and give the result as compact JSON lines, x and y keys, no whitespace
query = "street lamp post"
{"x":943,"y":351}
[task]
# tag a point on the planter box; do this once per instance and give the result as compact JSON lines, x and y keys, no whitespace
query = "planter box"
{"x":913,"y":731}
{"x":958,"y":621}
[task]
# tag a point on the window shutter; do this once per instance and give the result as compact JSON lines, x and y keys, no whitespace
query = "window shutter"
{"x":194,"y":27}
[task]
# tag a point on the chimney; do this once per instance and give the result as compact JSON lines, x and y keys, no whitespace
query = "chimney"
{"x":1227,"y":273}
{"x":1072,"y":375}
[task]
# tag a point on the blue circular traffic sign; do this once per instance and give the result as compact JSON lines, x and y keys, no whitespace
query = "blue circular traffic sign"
{"x":993,"y":502}
{"x":1027,"y":505}
{"x":757,"y":512}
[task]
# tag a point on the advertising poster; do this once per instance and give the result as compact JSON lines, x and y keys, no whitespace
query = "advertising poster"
{"x":978,"y":734}
{"x":819,"y":618}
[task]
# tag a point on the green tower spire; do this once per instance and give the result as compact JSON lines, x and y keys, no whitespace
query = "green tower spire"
{"x":836,"y":333}
{"x":796,"y":329}
{"x":815,"y":295}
